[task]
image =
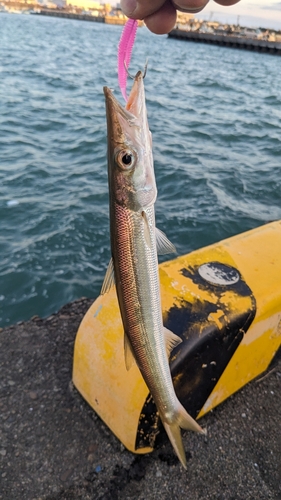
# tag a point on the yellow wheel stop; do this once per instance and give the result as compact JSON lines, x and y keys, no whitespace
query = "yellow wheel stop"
{"x":224,"y":301}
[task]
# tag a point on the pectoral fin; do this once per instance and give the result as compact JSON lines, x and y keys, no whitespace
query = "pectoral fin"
{"x":164,"y":245}
{"x":146,"y":230}
{"x":109,"y":279}
{"x":171,"y":340}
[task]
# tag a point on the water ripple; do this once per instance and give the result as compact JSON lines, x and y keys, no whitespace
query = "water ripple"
{"x":215,"y":115}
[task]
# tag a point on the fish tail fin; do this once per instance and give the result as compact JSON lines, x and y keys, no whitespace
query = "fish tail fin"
{"x":184,"y":421}
{"x":174,"y":434}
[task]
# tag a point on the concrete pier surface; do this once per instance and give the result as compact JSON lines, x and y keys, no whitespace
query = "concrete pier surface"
{"x":237,"y":42}
{"x":54,"y":447}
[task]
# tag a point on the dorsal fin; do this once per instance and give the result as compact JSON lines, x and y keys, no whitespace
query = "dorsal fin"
{"x":171,"y":340}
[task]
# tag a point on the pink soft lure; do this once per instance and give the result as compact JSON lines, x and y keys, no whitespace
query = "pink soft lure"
{"x":125,"y":48}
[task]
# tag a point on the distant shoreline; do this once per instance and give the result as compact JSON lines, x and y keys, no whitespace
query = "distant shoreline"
{"x":71,"y":15}
{"x":227,"y":40}
{"x":105,"y":19}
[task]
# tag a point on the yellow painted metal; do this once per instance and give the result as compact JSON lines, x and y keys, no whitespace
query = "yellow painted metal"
{"x":99,"y":371}
{"x":118,"y":396}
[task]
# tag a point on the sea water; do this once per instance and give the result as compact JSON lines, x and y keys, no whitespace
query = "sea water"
{"x":215,"y":117}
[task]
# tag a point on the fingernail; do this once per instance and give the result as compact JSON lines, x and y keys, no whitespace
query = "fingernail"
{"x":128,"y":6}
{"x":190,"y":10}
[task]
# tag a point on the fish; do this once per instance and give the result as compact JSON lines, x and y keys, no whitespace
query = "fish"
{"x":135,"y":245}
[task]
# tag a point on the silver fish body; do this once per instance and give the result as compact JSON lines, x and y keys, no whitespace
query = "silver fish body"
{"x":134,"y":265}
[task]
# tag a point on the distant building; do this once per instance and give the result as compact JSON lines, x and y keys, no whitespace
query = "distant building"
{"x":18,"y":5}
{"x":50,"y":5}
{"x":183,"y":17}
{"x":60,"y":3}
{"x":86,"y":5}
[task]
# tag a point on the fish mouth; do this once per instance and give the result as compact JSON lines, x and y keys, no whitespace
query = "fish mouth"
{"x":136,"y":96}
{"x":134,"y":106}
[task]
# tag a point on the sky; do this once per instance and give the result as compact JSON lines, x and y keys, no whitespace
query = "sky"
{"x":252,"y":13}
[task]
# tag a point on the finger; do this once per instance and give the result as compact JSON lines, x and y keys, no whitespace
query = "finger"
{"x":163,"y":20}
{"x":139,"y":9}
{"x":191,"y":6}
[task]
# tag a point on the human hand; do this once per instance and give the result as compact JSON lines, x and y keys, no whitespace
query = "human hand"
{"x":160,"y":15}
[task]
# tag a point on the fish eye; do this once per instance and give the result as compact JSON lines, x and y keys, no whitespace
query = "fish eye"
{"x":126,"y":159}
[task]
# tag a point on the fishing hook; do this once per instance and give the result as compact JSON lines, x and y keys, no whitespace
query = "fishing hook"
{"x":131,"y":76}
